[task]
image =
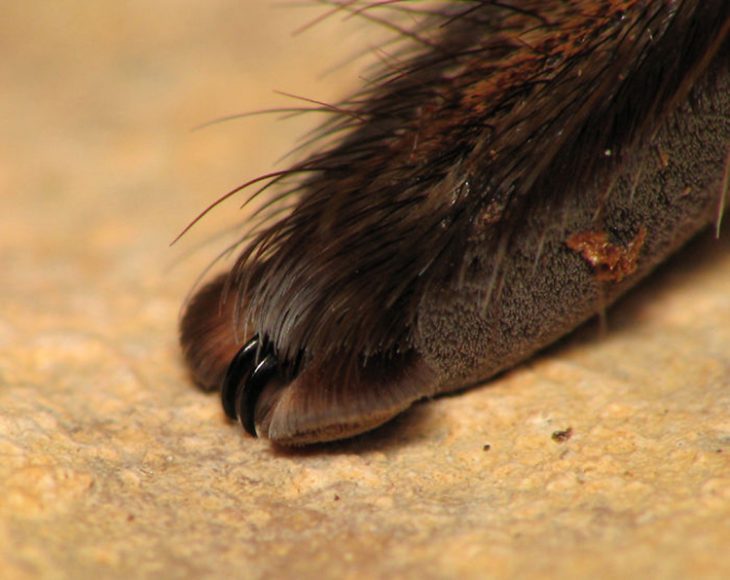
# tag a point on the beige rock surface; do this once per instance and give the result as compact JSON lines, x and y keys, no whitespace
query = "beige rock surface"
{"x":112,"y":465}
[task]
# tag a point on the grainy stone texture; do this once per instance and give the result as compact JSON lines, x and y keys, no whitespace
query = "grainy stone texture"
{"x":113,"y":466}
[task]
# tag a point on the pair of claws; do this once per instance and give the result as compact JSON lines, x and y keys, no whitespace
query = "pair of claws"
{"x":249,"y":372}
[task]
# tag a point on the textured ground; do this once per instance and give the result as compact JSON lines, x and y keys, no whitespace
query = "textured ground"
{"x":112,"y":465}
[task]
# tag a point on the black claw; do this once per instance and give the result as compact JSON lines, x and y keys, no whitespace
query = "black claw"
{"x":238,"y":373}
{"x":247,"y":375}
{"x":247,"y":395}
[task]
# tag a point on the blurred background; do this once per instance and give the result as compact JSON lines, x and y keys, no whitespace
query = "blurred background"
{"x":99,"y":105}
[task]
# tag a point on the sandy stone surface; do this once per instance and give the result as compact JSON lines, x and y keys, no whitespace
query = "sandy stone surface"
{"x":112,"y":465}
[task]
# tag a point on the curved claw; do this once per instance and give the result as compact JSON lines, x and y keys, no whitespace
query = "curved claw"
{"x":237,"y":374}
{"x":251,"y":390}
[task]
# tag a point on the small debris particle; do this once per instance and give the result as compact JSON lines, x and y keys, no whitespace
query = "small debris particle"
{"x":337,"y":497}
{"x":486,"y":447}
{"x":611,"y":262}
{"x":492,"y":214}
{"x":130,"y":518}
{"x":562,"y":436}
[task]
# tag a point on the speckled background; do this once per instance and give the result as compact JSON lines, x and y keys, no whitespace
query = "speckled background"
{"x":112,"y":465}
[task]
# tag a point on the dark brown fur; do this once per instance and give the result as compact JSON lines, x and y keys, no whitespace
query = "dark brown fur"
{"x":434,"y":243}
